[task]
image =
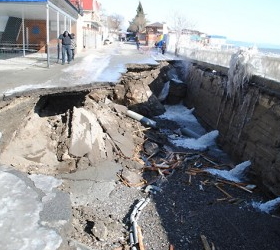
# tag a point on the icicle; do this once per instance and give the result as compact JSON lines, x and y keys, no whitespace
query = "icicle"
{"x":240,"y":71}
{"x":164,"y":92}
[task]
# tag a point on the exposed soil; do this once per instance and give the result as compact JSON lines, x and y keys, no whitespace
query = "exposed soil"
{"x":190,"y":209}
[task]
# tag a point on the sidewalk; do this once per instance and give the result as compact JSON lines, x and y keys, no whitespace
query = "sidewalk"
{"x":103,"y":65}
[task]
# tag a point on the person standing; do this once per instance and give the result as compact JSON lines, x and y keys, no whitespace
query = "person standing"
{"x":137,"y":42}
{"x":66,"y":46}
{"x":163,"y":47}
{"x":73,"y":45}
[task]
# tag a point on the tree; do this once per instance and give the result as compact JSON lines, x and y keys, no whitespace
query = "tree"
{"x":180,"y":24}
{"x":114,"y":23}
{"x":139,"y":22}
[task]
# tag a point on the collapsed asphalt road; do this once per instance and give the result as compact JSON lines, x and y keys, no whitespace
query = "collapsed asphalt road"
{"x":84,"y":165}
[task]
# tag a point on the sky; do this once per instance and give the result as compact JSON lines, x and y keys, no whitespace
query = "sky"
{"x":254,"y":21}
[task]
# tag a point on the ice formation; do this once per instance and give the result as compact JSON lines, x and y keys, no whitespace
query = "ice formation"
{"x":202,"y":143}
{"x":164,"y":92}
{"x":236,"y":174}
{"x":240,"y":70}
{"x":268,"y":206}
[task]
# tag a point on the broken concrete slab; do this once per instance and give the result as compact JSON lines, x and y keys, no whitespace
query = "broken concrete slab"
{"x":31,"y":145}
{"x":85,"y":130}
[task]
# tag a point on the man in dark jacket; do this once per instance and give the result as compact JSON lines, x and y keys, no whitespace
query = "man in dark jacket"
{"x":163,"y":47}
{"x":66,"y":46}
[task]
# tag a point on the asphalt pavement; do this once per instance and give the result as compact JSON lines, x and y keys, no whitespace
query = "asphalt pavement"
{"x":105,"y":64}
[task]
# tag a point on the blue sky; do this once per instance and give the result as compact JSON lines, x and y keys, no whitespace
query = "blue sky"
{"x":256,"y":21}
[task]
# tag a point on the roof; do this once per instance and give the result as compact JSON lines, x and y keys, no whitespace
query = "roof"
{"x":90,"y":5}
{"x":87,"y":4}
{"x":157,"y":24}
{"x":216,"y":36}
{"x":36,"y":10}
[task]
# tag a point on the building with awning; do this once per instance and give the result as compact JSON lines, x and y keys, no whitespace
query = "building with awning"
{"x":33,"y":26}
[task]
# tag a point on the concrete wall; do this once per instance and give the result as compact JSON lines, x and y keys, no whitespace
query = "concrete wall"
{"x":248,"y":122}
{"x":263,"y":65}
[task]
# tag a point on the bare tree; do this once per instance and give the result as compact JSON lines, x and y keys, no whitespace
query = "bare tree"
{"x":180,"y":25}
{"x":115,"y":22}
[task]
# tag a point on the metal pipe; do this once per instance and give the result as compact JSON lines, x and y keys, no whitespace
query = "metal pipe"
{"x":48,"y":34}
{"x":144,"y":120}
{"x":23,"y":35}
{"x":189,"y":133}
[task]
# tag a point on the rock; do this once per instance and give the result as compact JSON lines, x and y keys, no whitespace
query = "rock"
{"x":120,"y":108}
{"x":151,"y":148}
{"x":177,"y":91}
{"x":130,"y":164}
{"x":131,"y":176}
{"x":119,"y":93}
{"x":139,"y":98}
{"x":83,"y":163}
{"x":94,"y":96}
{"x":100,"y":231}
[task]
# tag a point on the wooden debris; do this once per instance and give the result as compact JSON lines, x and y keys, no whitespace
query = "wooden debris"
{"x":140,"y":238}
{"x":223,"y":191}
{"x":171,"y":247}
{"x":222,"y":199}
{"x":123,"y":180}
{"x":207,"y":159}
{"x":190,"y":179}
{"x":205,"y":242}
{"x":239,"y":185}
{"x":126,"y":183}
{"x":140,"y":130}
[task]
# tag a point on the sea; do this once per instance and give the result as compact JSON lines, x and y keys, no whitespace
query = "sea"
{"x":270,"y":51}
{"x":266,"y":49}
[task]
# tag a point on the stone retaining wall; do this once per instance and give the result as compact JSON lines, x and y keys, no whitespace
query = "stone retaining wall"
{"x":248,"y":122}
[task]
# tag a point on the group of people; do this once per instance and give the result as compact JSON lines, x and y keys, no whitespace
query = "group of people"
{"x":157,"y":45}
{"x":162,"y":47}
{"x":68,"y":45}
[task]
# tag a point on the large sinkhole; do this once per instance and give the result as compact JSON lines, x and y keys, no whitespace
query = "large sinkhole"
{"x":58,"y":104}
{"x":131,"y":146}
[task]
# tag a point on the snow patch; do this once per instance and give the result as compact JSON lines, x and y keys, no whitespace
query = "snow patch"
{"x":236,"y":174}
{"x":202,"y":143}
{"x":268,"y":206}
{"x":179,"y":114}
{"x":24,"y":88}
{"x":19,"y":217}
{"x":46,"y":184}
